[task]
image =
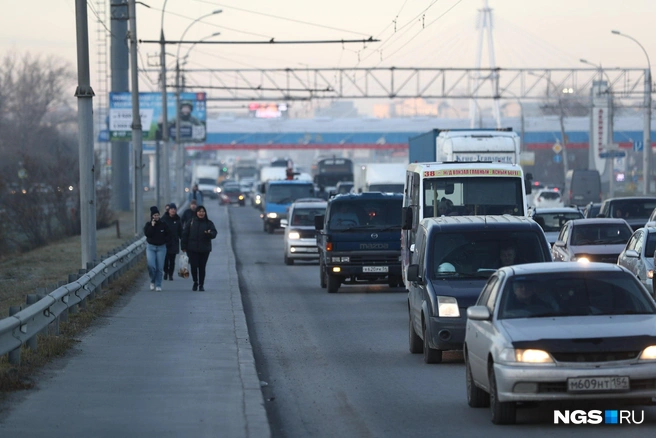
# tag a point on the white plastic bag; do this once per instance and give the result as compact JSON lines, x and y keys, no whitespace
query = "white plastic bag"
{"x":183,"y":262}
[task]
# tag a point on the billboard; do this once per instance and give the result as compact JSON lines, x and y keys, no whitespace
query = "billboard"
{"x":267,"y":110}
{"x":193,"y":116}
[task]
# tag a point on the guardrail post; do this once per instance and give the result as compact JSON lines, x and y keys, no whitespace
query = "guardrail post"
{"x":73,"y":309}
{"x":83,"y":303}
{"x":15,"y":355}
{"x":32,"y":343}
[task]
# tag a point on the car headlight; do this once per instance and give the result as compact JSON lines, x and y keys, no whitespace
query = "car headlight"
{"x":257,"y":201}
{"x":649,"y":353}
{"x":294,"y":235}
{"x":580,"y":258}
{"x":272,"y":215}
{"x":525,"y":356}
{"x":650,"y":274}
{"x":217,"y":189}
{"x":241,"y":197}
{"x":447,"y":307}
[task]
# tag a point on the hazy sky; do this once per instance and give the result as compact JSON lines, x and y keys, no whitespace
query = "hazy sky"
{"x":533,"y":33}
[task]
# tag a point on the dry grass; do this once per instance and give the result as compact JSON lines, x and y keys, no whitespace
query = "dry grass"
{"x":22,"y":274}
{"x":14,"y":378}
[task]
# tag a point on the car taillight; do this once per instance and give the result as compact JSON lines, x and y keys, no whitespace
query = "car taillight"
{"x":329,"y":246}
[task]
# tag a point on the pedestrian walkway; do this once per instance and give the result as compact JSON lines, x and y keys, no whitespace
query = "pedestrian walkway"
{"x":174,"y":363}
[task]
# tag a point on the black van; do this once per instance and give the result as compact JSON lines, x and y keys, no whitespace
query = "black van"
{"x":455,"y":257}
{"x":582,"y":187}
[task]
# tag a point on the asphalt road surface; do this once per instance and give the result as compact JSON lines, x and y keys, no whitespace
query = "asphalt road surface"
{"x":338,"y":364}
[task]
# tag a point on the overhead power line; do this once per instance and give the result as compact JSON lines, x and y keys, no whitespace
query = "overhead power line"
{"x":293,"y":20}
{"x":245,"y":32}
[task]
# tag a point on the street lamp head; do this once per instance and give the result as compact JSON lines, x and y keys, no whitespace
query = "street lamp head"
{"x":218,"y":11}
{"x":616,"y":32}
{"x":584,"y":61}
{"x":215,"y":34}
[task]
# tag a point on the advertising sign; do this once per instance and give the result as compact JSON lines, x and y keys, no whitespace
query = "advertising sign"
{"x":267,"y":110}
{"x":193,"y":116}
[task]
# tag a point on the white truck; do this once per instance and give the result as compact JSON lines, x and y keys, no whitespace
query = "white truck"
{"x":379,"y":177}
{"x":466,"y":146}
{"x":207,"y":177}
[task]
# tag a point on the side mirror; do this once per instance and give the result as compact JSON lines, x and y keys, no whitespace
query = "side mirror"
{"x":529,"y":189}
{"x":406,"y":219}
{"x":632,"y":253}
{"x":478,"y":313}
{"x":263,"y":188}
{"x":412,"y":248}
{"x":413,"y":274}
{"x":318,"y":222}
{"x":559,"y":243}
{"x":283,"y":223}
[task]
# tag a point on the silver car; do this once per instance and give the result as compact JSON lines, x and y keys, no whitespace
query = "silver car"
{"x":300,"y":234}
{"x":591,"y":240}
{"x":560,"y":331}
{"x":638,"y":256}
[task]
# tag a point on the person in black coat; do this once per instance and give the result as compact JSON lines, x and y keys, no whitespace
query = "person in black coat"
{"x":190,"y":212}
{"x":173,"y":247}
{"x":157,"y":235}
{"x":197,"y":238}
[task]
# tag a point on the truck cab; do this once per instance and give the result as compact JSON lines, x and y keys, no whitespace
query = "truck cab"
{"x":279,"y":195}
{"x":359,"y":240}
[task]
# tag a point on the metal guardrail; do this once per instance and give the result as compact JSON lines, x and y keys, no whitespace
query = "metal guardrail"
{"x":22,"y":327}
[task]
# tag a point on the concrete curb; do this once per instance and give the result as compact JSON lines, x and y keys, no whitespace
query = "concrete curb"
{"x":257,"y":424}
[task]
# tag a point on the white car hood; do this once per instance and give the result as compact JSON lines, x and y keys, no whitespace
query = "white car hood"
{"x":579,"y":327}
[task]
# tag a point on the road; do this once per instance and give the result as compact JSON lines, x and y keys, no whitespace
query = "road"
{"x":338,"y":364}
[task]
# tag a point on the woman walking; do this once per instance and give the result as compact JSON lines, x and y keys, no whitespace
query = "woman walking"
{"x":197,"y":238}
{"x":157,"y":235}
{"x":173,"y":247}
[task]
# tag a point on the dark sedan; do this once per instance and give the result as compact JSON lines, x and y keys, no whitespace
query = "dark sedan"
{"x":232,"y":194}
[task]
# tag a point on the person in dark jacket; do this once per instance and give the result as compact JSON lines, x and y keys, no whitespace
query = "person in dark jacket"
{"x":173,"y":247}
{"x":190,"y":212}
{"x":157,"y":235}
{"x":196,"y":195}
{"x":197,"y":238}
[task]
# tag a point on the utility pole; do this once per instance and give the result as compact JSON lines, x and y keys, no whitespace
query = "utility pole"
{"x":84,"y":95}
{"x":563,"y":135}
{"x":180,"y":152}
{"x":166,"y":180}
{"x":119,"y":63}
{"x":136,"y":122}
{"x":647,"y":134}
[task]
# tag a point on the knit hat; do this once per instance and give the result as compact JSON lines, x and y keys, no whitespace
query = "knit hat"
{"x":172,"y":205}
{"x":153,"y":210}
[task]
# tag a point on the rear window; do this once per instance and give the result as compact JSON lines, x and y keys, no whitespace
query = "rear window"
{"x":632,"y":209}
{"x":551,"y":196}
{"x":477,"y":253}
{"x":305,"y":216}
{"x":555,"y":221}
{"x":574,"y":294}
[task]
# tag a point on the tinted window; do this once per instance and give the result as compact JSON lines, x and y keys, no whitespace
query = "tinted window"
{"x":386,"y":188}
{"x":600,"y":234}
{"x":551,"y":196}
{"x":651,"y":245}
{"x":209,"y":181}
{"x":473,"y":196}
{"x":632,"y":209}
{"x":305,"y":216}
{"x":555,"y":221}
{"x":574,"y":294}
{"x":362,"y":214}
{"x":476,"y":253}
{"x":288,"y":193}
{"x":592,"y":211}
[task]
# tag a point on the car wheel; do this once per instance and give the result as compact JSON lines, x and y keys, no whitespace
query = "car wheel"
{"x":322,"y":275}
{"x":502,"y":412}
{"x":333,"y":283}
{"x":416,"y":346}
{"x":288,"y":261}
{"x":476,"y":397}
{"x":431,"y":355}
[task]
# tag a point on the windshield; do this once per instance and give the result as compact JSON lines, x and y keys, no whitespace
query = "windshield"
{"x":231,"y":189}
{"x":305,"y":216}
{"x":473,"y":196}
{"x":555,"y":221}
{"x":360,"y":214}
{"x":386,"y":188}
{"x":288,"y":193}
{"x":210,"y":181}
{"x":573,"y":294}
{"x":476,"y":253}
{"x":345,"y":188}
{"x":632,"y":208}
{"x":600,"y":234}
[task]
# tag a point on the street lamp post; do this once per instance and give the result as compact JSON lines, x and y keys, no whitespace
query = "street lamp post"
{"x":521,"y":117}
{"x":611,"y":166}
{"x":180,"y":153}
{"x":646,"y":155}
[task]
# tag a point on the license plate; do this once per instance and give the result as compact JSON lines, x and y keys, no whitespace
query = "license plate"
{"x":598,"y":384}
{"x":375,"y":269}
